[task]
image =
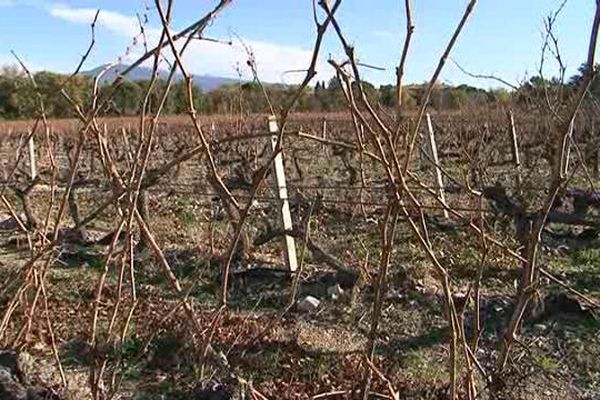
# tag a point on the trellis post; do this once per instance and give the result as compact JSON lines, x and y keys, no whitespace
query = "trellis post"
{"x":324,"y":134}
{"x":516,"y":158}
{"x":32,"y":162}
{"x":282,"y":194}
{"x":433,"y":153}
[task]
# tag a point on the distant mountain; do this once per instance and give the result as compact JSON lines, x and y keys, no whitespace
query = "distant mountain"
{"x":205,"y":82}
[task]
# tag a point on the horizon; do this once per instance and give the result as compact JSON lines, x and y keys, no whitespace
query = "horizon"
{"x":93,"y":70}
{"x":282,"y":43}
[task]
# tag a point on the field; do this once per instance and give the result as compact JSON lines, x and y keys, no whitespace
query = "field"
{"x":125,"y":287}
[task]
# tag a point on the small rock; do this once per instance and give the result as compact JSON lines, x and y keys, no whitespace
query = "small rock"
{"x":309,"y":304}
{"x":565,"y":304}
{"x":212,"y":392}
{"x":9,"y":360}
{"x":11,"y":376}
{"x":394,"y":295}
{"x":36,"y":393}
{"x":540,"y":328}
{"x":346,"y":278}
{"x":10,"y":388}
{"x":8,"y":223}
{"x":14,"y":382}
{"x":334,"y":292}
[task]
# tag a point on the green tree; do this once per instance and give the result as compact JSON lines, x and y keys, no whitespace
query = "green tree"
{"x":387,"y":95}
{"x":179,"y":98}
{"x":51,"y":85}
{"x":127,"y":98}
{"x":576,"y":79}
{"x":11,"y":104}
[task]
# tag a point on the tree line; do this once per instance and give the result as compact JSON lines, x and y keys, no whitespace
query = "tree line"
{"x":20,"y":96}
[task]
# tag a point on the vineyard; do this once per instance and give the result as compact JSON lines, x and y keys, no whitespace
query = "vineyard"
{"x":368,"y":254}
{"x":337,"y":197}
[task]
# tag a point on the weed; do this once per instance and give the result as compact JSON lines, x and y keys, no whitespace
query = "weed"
{"x":422,"y":365}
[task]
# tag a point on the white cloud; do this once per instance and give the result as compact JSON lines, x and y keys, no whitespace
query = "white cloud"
{"x":205,"y":57}
{"x":273,"y":61}
{"x":114,"y":22}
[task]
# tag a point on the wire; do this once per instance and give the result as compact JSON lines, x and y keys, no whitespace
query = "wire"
{"x":189,"y":188}
{"x":323,"y":200}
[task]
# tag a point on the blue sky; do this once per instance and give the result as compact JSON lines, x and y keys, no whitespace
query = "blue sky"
{"x":503,"y":37}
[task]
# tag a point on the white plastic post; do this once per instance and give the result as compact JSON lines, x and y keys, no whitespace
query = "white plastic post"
{"x":597,"y":163}
{"x":515,"y":148}
{"x":436,"y":162}
{"x":286,"y":217}
{"x":32,"y":163}
{"x":4,"y":162}
{"x":324,"y":134}
{"x":565,"y":167}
